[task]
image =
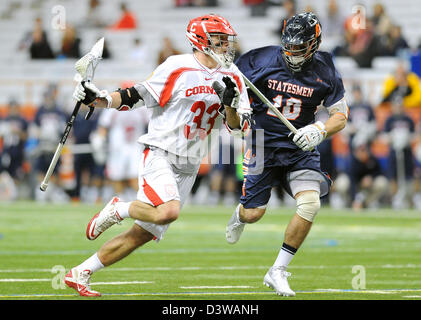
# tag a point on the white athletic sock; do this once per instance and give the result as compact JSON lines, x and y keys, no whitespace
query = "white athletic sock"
{"x":237,"y":214}
{"x":122,"y":209}
{"x":92,"y":264}
{"x":285,"y":256}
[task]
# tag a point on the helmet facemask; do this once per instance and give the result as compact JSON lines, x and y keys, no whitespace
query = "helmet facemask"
{"x":300,"y":39}
{"x":296,"y":55}
{"x":221,"y":48}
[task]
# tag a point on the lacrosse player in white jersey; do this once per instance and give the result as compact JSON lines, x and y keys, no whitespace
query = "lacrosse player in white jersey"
{"x":184,"y":109}
{"x":119,"y":131}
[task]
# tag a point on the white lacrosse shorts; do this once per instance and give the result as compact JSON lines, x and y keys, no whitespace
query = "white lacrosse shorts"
{"x":161,"y":181}
{"x":124,"y":164}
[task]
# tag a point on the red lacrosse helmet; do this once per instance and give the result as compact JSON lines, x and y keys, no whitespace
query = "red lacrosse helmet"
{"x":200,"y":30}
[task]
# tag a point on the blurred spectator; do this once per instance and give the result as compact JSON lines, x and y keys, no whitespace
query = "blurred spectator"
{"x":119,"y":131}
{"x":127,"y":20}
{"x":70,"y":44}
{"x":365,"y":46}
{"x":381,"y":22}
{"x":361,"y":115}
{"x":399,"y":129}
{"x":49,"y":124}
{"x":257,"y":7}
{"x":26,"y":40}
{"x":13,"y":131}
{"x":327,"y":157}
{"x":395,"y":42}
{"x":139,"y":52}
{"x":183,"y":3}
{"x":289,"y":9}
{"x":89,"y":173}
{"x":39,"y":47}
{"x":333,"y":23}
{"x":325,"y":148}
{"x":223,"y":175}
{"x":404,"y":85}
{"x":367,"y":184}
{"x":94,"y":17}
{"x":196,"y":3}
{"x":167,"y":50}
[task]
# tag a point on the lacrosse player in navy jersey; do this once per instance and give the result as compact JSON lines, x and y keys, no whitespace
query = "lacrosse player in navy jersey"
{"x":297,"y":78}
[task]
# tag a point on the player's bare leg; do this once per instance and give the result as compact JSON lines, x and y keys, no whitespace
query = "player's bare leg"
{"x":112,"y":251}
{"x":297,"y":231}
{"x":123,"y":244}
{"x":308,"y":204}
{"x":116,"y":210}
{"x":162,"y":214}
{"x":238,"y":221}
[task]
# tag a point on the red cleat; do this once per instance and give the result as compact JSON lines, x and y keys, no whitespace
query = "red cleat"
{"x":79,"y":280}
{"x":103,"y":220}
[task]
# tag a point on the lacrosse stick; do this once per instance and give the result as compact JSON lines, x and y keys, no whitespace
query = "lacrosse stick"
{"x":259,"y":95}
{"x":85,"y":68}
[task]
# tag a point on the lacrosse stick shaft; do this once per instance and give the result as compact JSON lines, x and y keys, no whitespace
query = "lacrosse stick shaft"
{"x":57,"y":154}
{"x":269,"y":104}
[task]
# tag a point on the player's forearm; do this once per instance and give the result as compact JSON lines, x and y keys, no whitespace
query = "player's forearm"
{"x":335,"y":124}
{"x":232,"y":118}
{"x":103,"y":102}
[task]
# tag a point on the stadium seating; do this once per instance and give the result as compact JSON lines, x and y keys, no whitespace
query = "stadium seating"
{"x":158,"y":19}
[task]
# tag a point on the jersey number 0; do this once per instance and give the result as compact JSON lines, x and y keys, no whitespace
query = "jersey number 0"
{"x":291,"y":110}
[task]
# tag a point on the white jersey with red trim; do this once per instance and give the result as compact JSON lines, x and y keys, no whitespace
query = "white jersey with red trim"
{"x":185,"y":106}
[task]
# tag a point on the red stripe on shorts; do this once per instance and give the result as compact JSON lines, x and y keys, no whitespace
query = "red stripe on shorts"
{"x":151,"y":194}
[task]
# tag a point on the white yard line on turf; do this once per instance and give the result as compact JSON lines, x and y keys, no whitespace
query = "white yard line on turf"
{"x":93,"y":283}
{"x":386,"y":266}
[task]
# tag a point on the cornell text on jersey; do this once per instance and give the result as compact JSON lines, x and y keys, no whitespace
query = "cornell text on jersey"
{"x":290,"y":88}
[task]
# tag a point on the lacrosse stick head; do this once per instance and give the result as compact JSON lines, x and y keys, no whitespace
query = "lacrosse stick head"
{"x":85,"y":66}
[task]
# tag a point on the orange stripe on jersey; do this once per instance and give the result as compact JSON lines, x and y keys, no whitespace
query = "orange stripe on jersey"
{"x":145,"y":154}
{"x":170,"y":83}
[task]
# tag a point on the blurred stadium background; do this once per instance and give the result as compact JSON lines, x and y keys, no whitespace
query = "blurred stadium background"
{"x":376,"y":47}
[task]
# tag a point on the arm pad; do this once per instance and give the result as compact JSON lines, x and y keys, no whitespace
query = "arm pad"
{"x":127,"y":102}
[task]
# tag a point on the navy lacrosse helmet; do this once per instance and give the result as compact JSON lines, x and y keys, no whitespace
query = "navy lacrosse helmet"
{"x":300,"y":39}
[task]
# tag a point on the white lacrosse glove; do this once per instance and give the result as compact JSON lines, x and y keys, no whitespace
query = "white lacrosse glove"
{"x":310,"y":136}
{"x":87,"y":92}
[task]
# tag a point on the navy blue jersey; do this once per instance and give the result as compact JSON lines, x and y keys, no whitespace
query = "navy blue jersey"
{"x":16,"y":125}
{"x":51,"y":123}
{"x":296,"y":95}
{"x":361,"y":113}
{"x":399,"y":121}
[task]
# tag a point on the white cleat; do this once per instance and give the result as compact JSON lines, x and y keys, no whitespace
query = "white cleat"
{"x":79,"y":280}
{"x":234,"y":229}
{"x":276,"y":278}
{"x":103,"y":220}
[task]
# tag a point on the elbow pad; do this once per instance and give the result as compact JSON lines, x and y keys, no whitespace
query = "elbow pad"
{"x":128,"y":101}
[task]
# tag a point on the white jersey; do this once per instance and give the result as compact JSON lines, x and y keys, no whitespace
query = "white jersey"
{"x":123,"y":127}
{"x":185,"y":106}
